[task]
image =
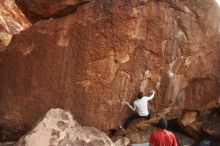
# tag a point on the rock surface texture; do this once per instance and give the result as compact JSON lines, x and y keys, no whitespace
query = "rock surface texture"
{"x":89,"y":61}
{"x":7,"y":144}
{"x":12,"y":21}
{"x":44,"y":9}
{"x":58,"y":128}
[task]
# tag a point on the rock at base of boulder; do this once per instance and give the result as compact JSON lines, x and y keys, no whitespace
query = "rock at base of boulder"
{"x":206,"y":142}
{"x":7,"y":144}
{"x":58,"y":128}
{"x":141,"y":144}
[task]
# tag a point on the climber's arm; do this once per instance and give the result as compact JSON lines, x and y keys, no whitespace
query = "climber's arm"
{"x":151,"y":96}
{"x":131,"y":107}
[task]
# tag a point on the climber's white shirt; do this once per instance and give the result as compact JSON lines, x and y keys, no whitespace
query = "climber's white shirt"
{"x":141,"y":105}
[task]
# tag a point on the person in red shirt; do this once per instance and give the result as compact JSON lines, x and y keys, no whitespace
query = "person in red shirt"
{"x":162,"y":137}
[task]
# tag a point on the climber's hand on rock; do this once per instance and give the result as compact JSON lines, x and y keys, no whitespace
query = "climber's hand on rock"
{"x":125,"y":102}
{"x":153,"y":91}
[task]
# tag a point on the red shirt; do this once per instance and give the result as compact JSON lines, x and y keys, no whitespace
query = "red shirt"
{"x":162,"y":138}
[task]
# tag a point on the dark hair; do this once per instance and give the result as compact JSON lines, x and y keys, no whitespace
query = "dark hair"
{"x":149,"y":93}
{"x":162,"y":124}
{"x":140,"y":95}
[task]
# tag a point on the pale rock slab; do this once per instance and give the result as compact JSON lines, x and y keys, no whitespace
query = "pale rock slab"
{"x":59,"y":128}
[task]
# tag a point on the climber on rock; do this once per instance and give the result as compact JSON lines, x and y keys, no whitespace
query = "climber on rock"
{"x":140,"y":107}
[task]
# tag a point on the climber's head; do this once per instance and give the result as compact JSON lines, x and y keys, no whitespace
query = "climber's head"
{"x":162,"y":123}
{"x":140,"y":95}
{"x":149,"y":93}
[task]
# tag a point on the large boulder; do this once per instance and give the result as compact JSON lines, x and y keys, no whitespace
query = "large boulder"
{"x":58,"y":128}
{"x":92,"y":60}
{"x":12,"y":21}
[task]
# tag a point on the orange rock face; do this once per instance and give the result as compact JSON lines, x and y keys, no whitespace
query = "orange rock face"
{"x":92,"y":60}
{"x":12,"y":21}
